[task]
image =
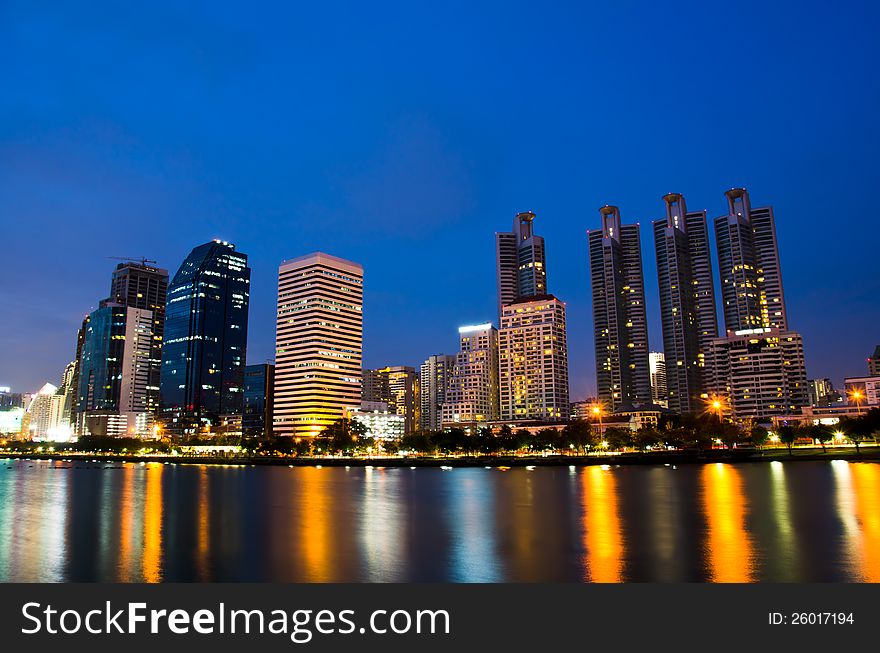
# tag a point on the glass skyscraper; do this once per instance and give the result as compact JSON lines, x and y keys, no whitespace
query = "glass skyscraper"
{"x":205,"y":339}
{"x":112,"y":393}
{"x":256,"y":418}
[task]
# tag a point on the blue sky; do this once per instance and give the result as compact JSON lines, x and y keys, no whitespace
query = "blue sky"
{"x":403,"y":135}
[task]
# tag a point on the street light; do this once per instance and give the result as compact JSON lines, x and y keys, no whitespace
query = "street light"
{"x":857,"y":396}
{"x":716,"y":403}
{"x":597,"y":411}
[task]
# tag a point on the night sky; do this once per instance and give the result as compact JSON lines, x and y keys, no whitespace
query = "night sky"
{"x":402,"y":136}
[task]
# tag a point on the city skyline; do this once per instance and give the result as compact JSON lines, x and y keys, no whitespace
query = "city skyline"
{"x":733,"y":195}
{"x":425,"y":166}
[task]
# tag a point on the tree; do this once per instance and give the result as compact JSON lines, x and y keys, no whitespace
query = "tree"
{"x":859,"y":429}
{"x":787,"y":436}
{"x":618,"y":438}
{"x":419,"y":442}
{"x":507,"y":441}
{"x":545,"y":439}
{"x":823,"y":433}
{"x":487,"y":442}
{"x":579,"y":435}
{"x":730,"y":435}
{"x":344,"y":435}
{"x":523,"y":439}
{"x":647,"y":438}
{"x":758,"y":435}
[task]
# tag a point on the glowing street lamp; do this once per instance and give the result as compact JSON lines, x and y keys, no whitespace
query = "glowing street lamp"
{"x":597,"y":412}
{"x":857,"y":395}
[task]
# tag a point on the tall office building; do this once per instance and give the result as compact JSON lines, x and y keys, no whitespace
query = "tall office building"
{"x":114,"y":372}
{"x":259,"y":387}
{"x":620,"y":323}
{"x":318,"y":343}
{"x":748,"y":262}
{"x":520,"y":260}
{"x":657,"y":369}
{"x":759,"y":366}
{"x":760,"y":373}
{"x":205,"y":339}
{"x":821,"y":392}
{"x":533,"y":360}
{"x":472,"y":397}
{"x":44,"y":415}
{"x":143,"y":286}
{"x":687,"y":302}
{"x":434,"y":376}
{"x":69,"y":390}
{"x":398,"y":387}
{"x":874,"y":362}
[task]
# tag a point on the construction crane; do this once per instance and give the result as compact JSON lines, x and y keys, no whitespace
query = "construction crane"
{"x":134,"y":259}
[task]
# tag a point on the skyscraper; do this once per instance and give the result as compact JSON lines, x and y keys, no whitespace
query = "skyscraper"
{"x":114,"y":372}
{"x":759,"y":366}
{"x":748,"y":262}
{"x":472,"y":396}
{"x":533,"y":360}
{"x":318,"y":343}
{"x":520,"y":260}
{"x":139,"y":285}
{"x":620,"y":323}
{"x":874,"y":362}
{"x":259,"y":387}
{"x":398,"y":387}
{"x":44,"y":414}
{"x":687,"y":302}
{"x":657,"y":368}
{"x":205,"y":339}
{"x":435,"y":375}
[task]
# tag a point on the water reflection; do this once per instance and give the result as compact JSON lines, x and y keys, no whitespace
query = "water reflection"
{"x":381,"y":531}
{"x":203,"y":552}
{"x":794,"y":521}
{"x":858,"y":508}
{"x":152,"y":569}
{"x":728,"y":548}
{"x":473,"y":548}
{"x":602,"y":533}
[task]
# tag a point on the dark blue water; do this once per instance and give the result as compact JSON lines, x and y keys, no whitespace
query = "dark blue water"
{"x":799,"y":521}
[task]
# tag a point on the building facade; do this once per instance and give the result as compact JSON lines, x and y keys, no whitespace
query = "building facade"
{"x":620,"y":323}
{"x":256,"y":414}
{"x":657,"y":369}
{"x":533,"y":360}
{"x":759,"y":366}
{"x":687,"y":303}
{"x":434,"y":377}
{"x":748,"y":263}
{"x":318,"y":343}
{"x":821,"y":392}
{"x":115,"y":371}
{"x":472,"y":397}
{"x":874,"y":362}
{"x":43,"y":419}
{"x":145,"y":287}
{"x":380,"y":422}
{"x":759,"y":373}
{"x":205,"y":340}
{"x":862,"y":390}
{"x":520,"y":261}
{"x":398,"y":387}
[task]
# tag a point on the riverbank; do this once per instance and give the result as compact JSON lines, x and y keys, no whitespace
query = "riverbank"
{"x":866,"y":454}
